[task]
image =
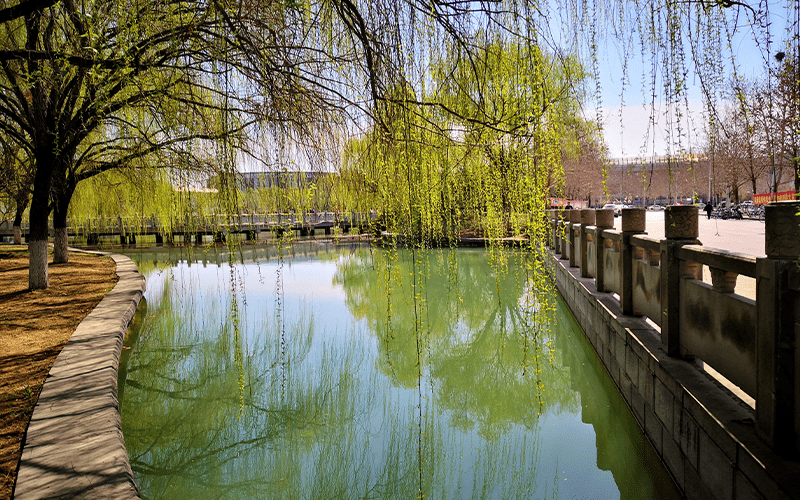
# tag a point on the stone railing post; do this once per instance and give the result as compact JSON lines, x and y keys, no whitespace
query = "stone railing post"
{"x":633,"y":222}
{"x":587,"y":219}
{"x":563,"y":233}
{"x":574,"y":220}
{"x":778,"y":330}
{"x":557,"y":231}
{"x":552,"y":215}
{"x":680,"y":228}
{"x":604,"y":219}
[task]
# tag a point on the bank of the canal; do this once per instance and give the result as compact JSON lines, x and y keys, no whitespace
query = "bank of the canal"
{"x":74,"y":445}
{"x":705,"y":429}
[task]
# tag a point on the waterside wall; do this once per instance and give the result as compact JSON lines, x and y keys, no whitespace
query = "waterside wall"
{"x":712,"y":377}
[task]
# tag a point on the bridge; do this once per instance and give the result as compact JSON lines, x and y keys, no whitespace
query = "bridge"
{"x":217,"y":226}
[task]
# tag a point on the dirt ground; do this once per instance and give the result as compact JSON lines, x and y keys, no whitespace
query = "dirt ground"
{"x":34,"y":326}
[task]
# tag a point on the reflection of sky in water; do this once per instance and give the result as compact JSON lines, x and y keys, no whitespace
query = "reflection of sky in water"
{"x":345,"y":420}
{"x":462,"y":333}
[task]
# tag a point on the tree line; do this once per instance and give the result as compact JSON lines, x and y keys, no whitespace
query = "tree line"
{"x":756,"y":140}
{"x":440,"y":114}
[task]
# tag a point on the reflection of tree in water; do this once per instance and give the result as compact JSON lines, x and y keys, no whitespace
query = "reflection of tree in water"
{"x":187,"y":420}
{"x":462,"y":424}
{"x":479,"y":349}
{"x":192,"y":432}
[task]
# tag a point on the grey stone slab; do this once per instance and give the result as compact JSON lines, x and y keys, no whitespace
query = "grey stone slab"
{"x":694,"y":488}
{"x":653,"y":429}
{"x":664,"y":372}
{"x":715,"y":468}
{"x":637,"y":405}
{"x":711,"y":423}
{"x":74,"y":446}
{"x":673,"y":459}
{"x":632,"y":365}
{"x":619,"y":350}
{"x":677,"y":416}
{"x":664,"y":402}
{"x":613,"y":370}
{"x":688,"y":437}
{"x":646,"y":381}
{"x":625,"y":385}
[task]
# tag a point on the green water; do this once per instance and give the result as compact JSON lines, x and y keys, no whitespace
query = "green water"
{"x":320,"y":371}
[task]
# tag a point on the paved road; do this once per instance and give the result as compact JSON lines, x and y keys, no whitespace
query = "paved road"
{"x":742,"y":236}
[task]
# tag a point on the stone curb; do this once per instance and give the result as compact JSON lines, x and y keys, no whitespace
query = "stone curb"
{"x":74,"y":445}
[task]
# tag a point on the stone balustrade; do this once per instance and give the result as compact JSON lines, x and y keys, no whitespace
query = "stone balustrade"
{"x":752,"y":342}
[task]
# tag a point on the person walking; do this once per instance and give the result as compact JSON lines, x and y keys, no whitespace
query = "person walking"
{"x":708,"y":208}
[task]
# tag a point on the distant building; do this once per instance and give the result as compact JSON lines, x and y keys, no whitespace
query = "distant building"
{"x":268,"y":179}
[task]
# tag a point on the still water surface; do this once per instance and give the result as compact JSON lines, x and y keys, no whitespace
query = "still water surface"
{"x":321,"y":371}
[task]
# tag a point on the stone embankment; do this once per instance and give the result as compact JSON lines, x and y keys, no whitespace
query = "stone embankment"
{"x":711,"y":375}
{"x":74,"y":446}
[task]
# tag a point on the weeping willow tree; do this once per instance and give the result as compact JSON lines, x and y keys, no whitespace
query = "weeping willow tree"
{"x":92,"y":86}
{"x":481,"y":151}
{"x":89,"y":87}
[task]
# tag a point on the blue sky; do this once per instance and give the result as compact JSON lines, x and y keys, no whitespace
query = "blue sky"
{"x":628,"y":129}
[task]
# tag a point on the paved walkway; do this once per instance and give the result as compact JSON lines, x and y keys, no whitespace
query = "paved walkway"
{"x":739,"y":236}
{"x":74,"y":446}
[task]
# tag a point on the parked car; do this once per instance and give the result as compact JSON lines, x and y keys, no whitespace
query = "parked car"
{"x":655,"y":208}
{"x":615,"y":207}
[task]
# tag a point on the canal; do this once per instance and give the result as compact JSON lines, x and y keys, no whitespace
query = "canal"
{"x":332,"y":371}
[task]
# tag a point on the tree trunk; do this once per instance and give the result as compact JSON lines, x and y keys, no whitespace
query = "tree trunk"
{"x":38,"y":277}
{"x":60,"y":253}
{"x":63,"y":188}
{"x":37,"y":238}
{"x":18,"y":222}
{"x":60,"y":247}
{"x":37,"y":243}
{"x":39,"y":215}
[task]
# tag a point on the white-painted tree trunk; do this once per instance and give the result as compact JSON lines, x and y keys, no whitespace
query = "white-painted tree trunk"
{"x":17,"y":235}
{"x":60,"y":253}
{"x":38,"y":278}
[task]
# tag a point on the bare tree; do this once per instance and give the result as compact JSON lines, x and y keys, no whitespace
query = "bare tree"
{"x":786,"y":115}
{"x":737,"y":145}
{"x":583,"y":166}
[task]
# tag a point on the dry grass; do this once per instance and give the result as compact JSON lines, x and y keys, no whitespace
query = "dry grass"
{"x":34,"y":327}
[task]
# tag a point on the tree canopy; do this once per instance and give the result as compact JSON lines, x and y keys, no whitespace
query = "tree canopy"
{"x":92,"y":86}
